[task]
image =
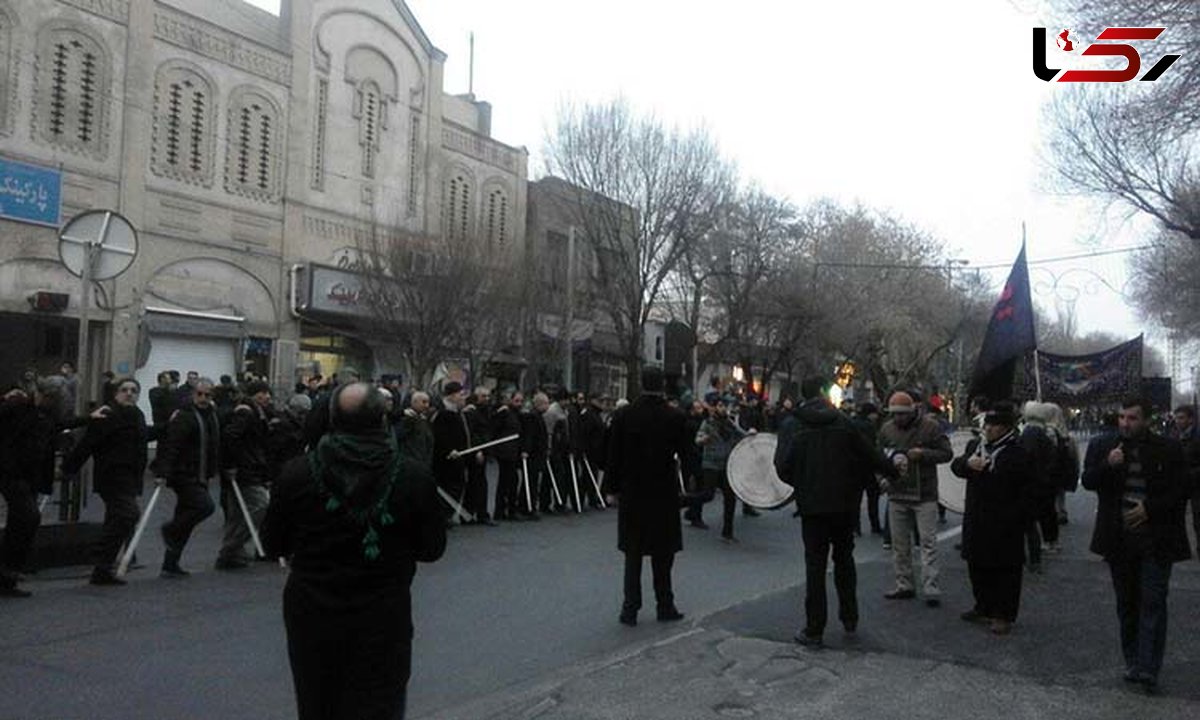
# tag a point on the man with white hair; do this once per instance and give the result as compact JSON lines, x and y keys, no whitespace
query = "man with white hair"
{"x":416,"y":434}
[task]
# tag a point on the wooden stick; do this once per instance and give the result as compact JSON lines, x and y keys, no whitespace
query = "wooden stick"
{"x":123,"y":566}
{"x":595,"y":483}
{"x":574,"y":482}
{"x":246,"y":516}
{"x":455,"y":454}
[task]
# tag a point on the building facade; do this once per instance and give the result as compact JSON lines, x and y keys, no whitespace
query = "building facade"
{"x":253,"y":153}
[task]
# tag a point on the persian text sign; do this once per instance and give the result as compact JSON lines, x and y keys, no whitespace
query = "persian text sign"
{"x":29,"y":193}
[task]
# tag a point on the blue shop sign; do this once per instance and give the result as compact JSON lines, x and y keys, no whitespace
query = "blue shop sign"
{"x":29,"y":193}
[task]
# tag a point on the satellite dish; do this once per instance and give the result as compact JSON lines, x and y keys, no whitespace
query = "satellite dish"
{"x":104,"y":236}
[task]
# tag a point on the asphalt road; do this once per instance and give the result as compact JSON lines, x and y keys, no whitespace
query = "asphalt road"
{"x":509,"y":605}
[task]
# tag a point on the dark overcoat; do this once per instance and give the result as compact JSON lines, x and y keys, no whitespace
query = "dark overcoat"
{"x":1167,"y":490}
{"x":645,"y":438}
{"x":117,"y":445}
{"x":999,"y":500}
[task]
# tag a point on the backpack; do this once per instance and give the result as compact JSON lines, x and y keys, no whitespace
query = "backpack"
{"x":1066,"y":464}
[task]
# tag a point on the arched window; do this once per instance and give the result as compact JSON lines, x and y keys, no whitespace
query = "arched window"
{"x":252,"y":158}
{"x":184,"y":113}
{"x":456,"y":210}
{"x":71,"y":90}
{"x":495,"y":218}
{"x":370,"y":108}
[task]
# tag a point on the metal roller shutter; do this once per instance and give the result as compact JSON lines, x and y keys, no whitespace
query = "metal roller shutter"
{"x":211,"y":357}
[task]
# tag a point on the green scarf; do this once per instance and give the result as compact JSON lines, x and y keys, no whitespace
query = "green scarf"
{"x":358,"y":473}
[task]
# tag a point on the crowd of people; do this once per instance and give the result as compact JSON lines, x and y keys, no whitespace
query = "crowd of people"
{"x":345,"y":472}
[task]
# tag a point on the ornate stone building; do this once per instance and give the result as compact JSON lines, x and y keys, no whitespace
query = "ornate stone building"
{"x":252,"y":153}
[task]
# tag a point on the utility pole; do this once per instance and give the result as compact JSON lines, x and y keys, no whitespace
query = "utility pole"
{"x":471,"y":68}
{"x":568,"y":325}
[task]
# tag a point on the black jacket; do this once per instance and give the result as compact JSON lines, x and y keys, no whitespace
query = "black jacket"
{"x":827,"y":460}
{"x":645,"y":437}
{"x":1167,"y":490}
{"x":178,"y":457}
{"x":27,"y":441}
{"x":591,"y":439}
{"x":534,"y":438}
{"x":163,"y":402}
{"x":245,"y":445}
{"x":450,"y":432}
{"x":117,"y":445}
{"x":285,"y":440}
{"x":328,"y":566}
{"x":999,"y":500}
{"x":505,"y":422}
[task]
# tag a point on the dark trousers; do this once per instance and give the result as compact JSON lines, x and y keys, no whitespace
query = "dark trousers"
{"x":1047,"y":520}
{"x":193,"y":505}
{"x":121,"y":513}
{"x":1033,"y":542}
{"x":21,"y":524}
{"x":660,"y":566}
{"x":1141,"y":583}
{"x":821,"y":534}
{"x":506,"y":504}
{"x":348,"y":666}
{"x":711,"y":481}
{"x":872,"y":492}
{"x":476,"y":498}
{"x":997,"y":590}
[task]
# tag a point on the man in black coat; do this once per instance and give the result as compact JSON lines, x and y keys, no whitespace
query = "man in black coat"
{"x":247,"y":462}
{"x":1188,"y":435}
{"x":451,"y":433}
{"x":506,"y":421}
{"x":188,"y":458}
{"x":415,"y":433}
{"x":589,"y":447}
{"x":27,"y":430}
{"x":478,"y":414}
{"x":645,"y":438}
{"x":116,"y":441}
{"x":1001,"y":494}
{"x":828,"y":461}
{"x":317,"y":421}
{"x":1142,"y":486}
{"x":354,"y":518}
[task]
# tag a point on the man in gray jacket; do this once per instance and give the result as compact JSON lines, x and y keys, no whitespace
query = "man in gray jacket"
{"x":916,"y":445}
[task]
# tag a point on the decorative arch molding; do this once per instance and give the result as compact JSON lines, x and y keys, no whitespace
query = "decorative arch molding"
{"x":212,"y":284}
{"x":184,"y":128}
{"x":9,"y":63}
{"x":72,"y":88}
{"x":496,"y":212}
{"x":367,"y":62}
{"x":322,"y":54}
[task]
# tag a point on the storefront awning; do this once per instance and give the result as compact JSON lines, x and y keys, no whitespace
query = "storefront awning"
{"x":165,"y":321}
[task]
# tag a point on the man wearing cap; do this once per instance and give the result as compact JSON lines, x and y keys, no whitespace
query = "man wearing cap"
{"x":916,"y":445}
{"x":451,"y":432}
{"x":1000,"y":486}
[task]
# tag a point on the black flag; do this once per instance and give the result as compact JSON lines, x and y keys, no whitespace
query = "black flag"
{"x":1010,"y":334}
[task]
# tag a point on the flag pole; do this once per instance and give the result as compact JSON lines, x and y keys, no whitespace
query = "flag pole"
{"x":1037,"y":371}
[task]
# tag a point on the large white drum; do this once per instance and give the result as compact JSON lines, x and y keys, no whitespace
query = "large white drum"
{"x":752,"y":473}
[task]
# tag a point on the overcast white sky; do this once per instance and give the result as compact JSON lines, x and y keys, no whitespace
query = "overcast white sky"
{"x":927,"y":109}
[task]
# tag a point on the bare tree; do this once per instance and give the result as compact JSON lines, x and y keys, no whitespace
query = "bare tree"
{"x":644,"y":194}
{"x":436,"y":298}
{"x":1165,"y":283}
{"x":1133,"y":144}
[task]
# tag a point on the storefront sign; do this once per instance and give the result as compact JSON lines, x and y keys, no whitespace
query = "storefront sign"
{"x":333,"y":291}
{"x":29,"y":193}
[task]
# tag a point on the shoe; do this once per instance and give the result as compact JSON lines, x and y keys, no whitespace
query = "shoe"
{"x":749,"y":512}
{"x":628,"y":618}
{"x":175,"y":573}
{"x":900,"y":594}
{"x":975,"y":617}
{"x":796,"y":514}
{"x":850,"y":627}
{"x":813,"y":642}
{"x":887,"y":544}
{"x":1053,"y":548}
{"x":8,"y":588}
{"x":1000,"y":627}
{"x":105,"y":577}
{"x":486,"y":522}
{"x":729,"y":540}
{"x":933,"y":602}
{"x":231,"y":564}
{"x":670,"y":614}
{"x":698,"y":524}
